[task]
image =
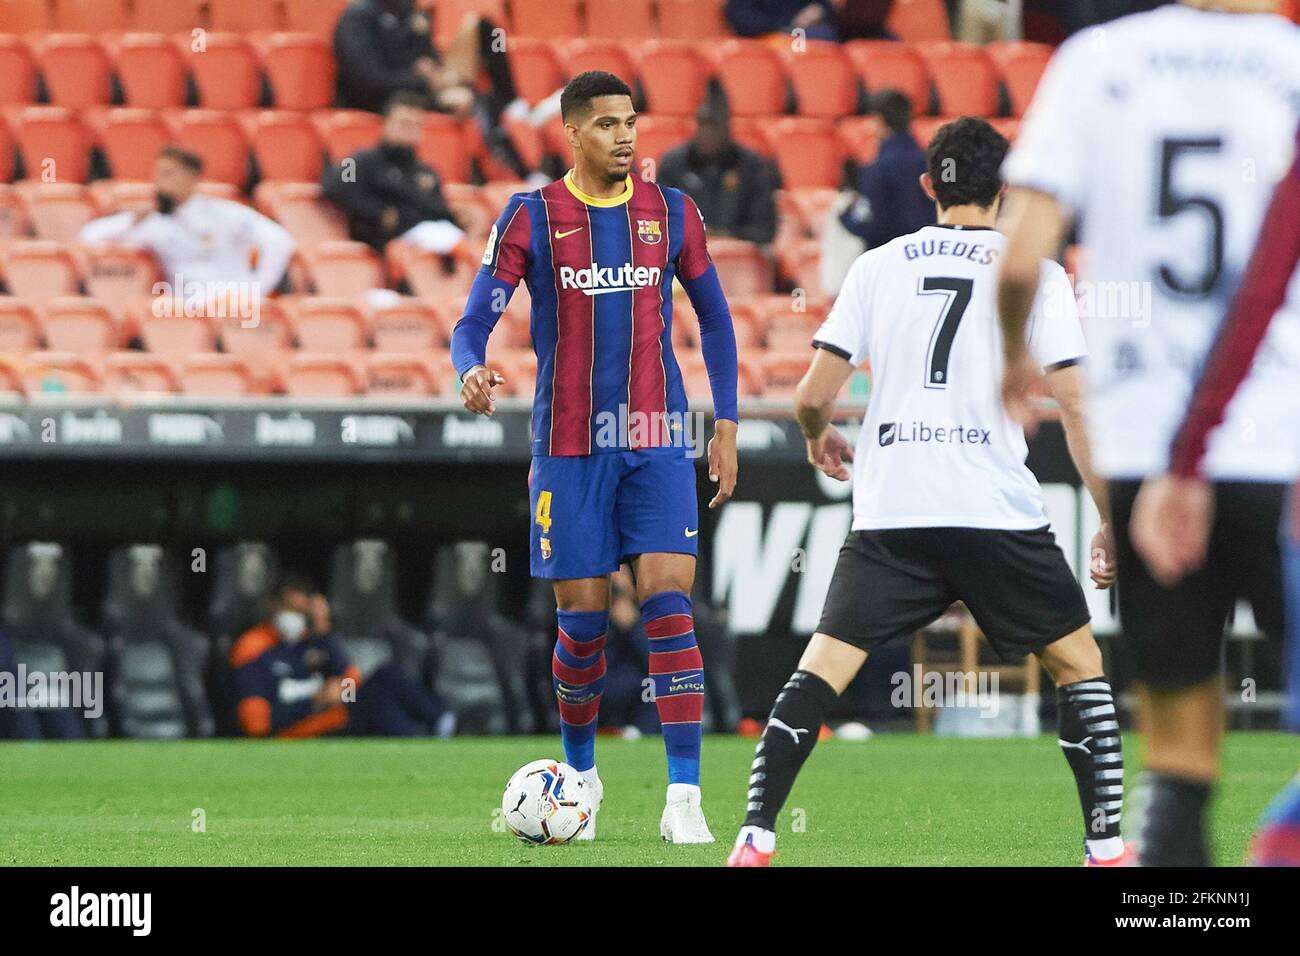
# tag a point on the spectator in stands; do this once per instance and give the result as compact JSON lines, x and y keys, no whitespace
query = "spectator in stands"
{"x":292,"y":679}
{"x":389,"y":192}
{"x":198,"y":238}
{"x":752,"y":18}
{"x":734,"y":187}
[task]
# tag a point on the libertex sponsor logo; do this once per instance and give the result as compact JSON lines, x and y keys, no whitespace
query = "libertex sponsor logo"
{"x":599,"y":280}
{"x":920,"y":433}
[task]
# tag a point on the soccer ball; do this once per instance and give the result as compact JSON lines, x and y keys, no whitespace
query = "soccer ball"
{"x":546,"y":802}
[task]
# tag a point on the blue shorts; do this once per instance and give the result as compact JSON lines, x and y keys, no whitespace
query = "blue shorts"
{"x":592,"y":512}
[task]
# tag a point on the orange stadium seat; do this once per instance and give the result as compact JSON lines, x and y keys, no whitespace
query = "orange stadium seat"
{"x":674,"y":76}
{"x":782,"y":371}
{"x":799,"y":262}
{"x":131,"y":140}
{"x":313,"y":16}
{"x":76,"y":69}
{"x":599,"y":54}
{"x":245,"y":16}
{"x":752,"y":76}
{"x":151,"y":70}
{"x":787,"y":329}
{"x":300,"y":68}
{"x":328,"y":325}
{"x":339,"y":269}
{"x":803,"y":212}
{"x":692,"y":19}
{"x":79,"y":324}
{"x":13,"y":214}
{"x":428,"y":273}
{"x":26,"y":16}
{"x":752,"y":132}
{"x":120,"y":195}
{"x":656,"y":135}
{"x":217,"y":137}
{"x":443,"y":146}
{"x":885,"y":65}
{"x":57,"y":211}
{"x":165,"y":329}
{"x":695,"y":377}
{"x":412,"y":325}
{"x":256,"y":339}
{"x":535,"y":67}
{"x":17,"y":71}
{"x":302,"y":209}
{"x":8,"y":155}
{"x":39,"y":270}
{"x":399,"y":375}
{"x":93,"y":16}
{"x":61,"y":372}
{"x":963,"y":77}
{"x":808,"y":153}
{"x":913,"y":20}
{"x":117,"y":275}
{"x":468,"y":206}
{"x":825,"y":82}
{"x":321,"y":376}
{"x":345,"y":132}
{"x":139,"y":372}
{"x":217,"y":376}
{"x":621,"y":19}
{"x":53,"y":143}
{"x":924,"y":128}
{"x":166,"y":16}
{"x":742,"y":267}
{"x":1020,"y":65}
{"x":553,"y":19}
{"x":286,"y":146}
{"x":226,"y":71}
{"x":859,"y":136}
{"x":448,"y":15}
{"x":19,"y":331}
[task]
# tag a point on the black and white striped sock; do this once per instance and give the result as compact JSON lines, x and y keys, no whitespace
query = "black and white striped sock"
{"x":1089,"y":738}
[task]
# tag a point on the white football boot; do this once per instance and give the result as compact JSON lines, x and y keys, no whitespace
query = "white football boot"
{"x":683,"y":819}
{"x":597,"y":791}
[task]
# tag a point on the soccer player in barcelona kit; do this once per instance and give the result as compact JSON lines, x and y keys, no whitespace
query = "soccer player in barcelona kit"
{"x":613,"y":476}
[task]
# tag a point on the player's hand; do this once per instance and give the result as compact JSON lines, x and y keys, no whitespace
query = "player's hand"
{"x":829,"y":452}
{"x":1103,"y":566}
{"x":1171,"y":525}
{"x":330,"y":693}
{"x":722,"y":461}
{"x":1018,"y":378}
{"x":476,"y":389}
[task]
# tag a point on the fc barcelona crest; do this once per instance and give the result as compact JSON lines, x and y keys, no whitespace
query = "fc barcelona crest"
{"x":649,"y":231}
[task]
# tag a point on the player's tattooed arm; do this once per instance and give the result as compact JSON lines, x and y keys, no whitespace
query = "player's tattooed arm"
{"x":828,"y":450}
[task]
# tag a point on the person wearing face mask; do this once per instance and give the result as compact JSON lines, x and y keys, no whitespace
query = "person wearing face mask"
{"x":293,"y":679}
{"x":198,"y":238}
{"x":388,"y":192}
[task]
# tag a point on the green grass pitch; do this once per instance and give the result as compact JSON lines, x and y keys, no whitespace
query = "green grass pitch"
{"x":892,"y":800}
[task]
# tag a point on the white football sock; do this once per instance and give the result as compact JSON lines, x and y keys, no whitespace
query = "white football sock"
{"x":680,"y":791}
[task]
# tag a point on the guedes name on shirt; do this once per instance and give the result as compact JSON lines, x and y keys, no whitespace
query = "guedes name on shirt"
{"x":974,"y":251}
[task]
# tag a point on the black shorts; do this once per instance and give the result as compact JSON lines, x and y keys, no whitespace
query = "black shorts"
{"x":1173,"y":637}
{"x":893,"y":582}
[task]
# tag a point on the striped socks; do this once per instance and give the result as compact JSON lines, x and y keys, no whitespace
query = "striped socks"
{"x":1089,"y":738}
{"x":678,"y":674}
{"x":578,"y":674}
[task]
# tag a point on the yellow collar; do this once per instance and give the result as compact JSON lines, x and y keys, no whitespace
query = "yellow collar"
{"x":594,"y":200}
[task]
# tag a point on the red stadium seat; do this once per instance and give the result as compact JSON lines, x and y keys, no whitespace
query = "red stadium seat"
{"x":57,"y":211}
{"x":217,"y":137}
{"x":339,"y":269}
{"x":621,"y":19}
{"x":120,"y":195}
{"x":674,"y":76}
{"x":151,"y":69}
{"x":257,"y":338}
{"x":302,"y":209}
{"x":166,"y":16}
{"x":825,"y":82}
{"x":76,"y":68}
{"x":245,"y":16}
{"x":692,"y":19}
{"x":964,"y":78}
{"x":345,"y":132}
{"x":553,"y":19}
{"x":17,"y":71}
{"x":82,"y":325}
{"x":753,"y":132}
{"x":26,"y":16}
{"x":118,"y":275}
{"x":300,"y":68}
{"x":313,"y":16}
{"x":39,"y":270}
{"x":399,"y":375}
{"x":885,"y":65}
{"x":321,"y":376}
{"x":166,"y":329}
{"x":1020,"y":65}
{"x":443,"y":146}
{"x":584,"y":54}
{"x":53,"y":143}
{"x":924,"y":128}
{"x":412,"y":325}
{"x":695,"y":377}
{"x":427,"y":273}
{"x":226,"y":71}
{"x":913,"y":20}
{"x":217,"y":376}
{"x":126,"y":372}
{"x":752,"y":76}
{"x":535,"y":67}
{"x":286,"y":146}
{"x":742,"y":267}
{"x":59,"y":372}
{"x":656,"y":135}
{"x":323,"y":325}
{"x":131,"y":140}
{"x":859,"y":134}
{"x":448,"y":15}
{"x":782,"y":371}
{"x":808,"y":153}
{"x":19,"y":331}
{"x":803,"y":212}
{"x":93,"y":16}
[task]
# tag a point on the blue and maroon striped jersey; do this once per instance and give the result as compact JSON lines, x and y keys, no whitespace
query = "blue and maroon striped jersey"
{"x":600,"y":273}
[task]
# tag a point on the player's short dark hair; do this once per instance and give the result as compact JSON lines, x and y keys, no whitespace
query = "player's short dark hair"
{"x":893,"y":107}
{"x":294,"y":581}
{"x":404,"y":98}
{"x":578,"y":93}
{"x":190,"y":160}
{"x":965,"y":162}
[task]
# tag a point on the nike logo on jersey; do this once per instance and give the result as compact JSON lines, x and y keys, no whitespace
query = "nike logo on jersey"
{"x":792,"y":731}
{"x":691,"y":534}
{"x":561,"y":235}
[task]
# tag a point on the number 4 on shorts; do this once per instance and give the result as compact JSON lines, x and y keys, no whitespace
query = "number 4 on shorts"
{"x":543,"y":514}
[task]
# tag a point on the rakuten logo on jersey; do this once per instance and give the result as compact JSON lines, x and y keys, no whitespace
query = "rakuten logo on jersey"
{"x":919,"y":433}
{"x":598,"y":280}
